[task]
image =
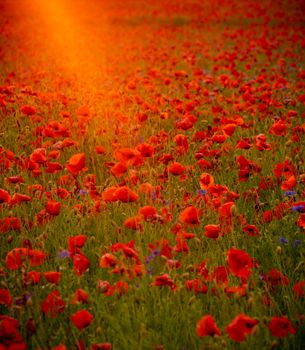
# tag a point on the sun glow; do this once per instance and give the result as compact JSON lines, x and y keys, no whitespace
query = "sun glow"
{"x":67,"y":34}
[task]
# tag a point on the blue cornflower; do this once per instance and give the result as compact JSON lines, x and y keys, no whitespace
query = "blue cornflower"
{"x":24,"y":299}
{"x":296,"y":243}
{"x":63,"y":254}
{"x":156,"y":252}
{"x":202,"y":192}
{"x":140,"y":139}
{"x":298,"y":208}
{"x":149,"y":258}
{"x":83,"y":192}
{"x":289,"y":193}
{"x":153,"y":195}
{"x":283,"y":240}
{"x":166,"y":202}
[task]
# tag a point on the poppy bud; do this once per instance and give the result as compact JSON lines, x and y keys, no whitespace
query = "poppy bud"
{"x":31,"y":327}
{"x":234,"y":210}
{"x":278,"y":250}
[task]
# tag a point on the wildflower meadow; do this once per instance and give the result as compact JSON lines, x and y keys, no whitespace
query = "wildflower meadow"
{"x":152,"y":175}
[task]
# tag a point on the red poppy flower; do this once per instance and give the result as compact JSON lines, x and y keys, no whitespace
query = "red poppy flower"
{"x":196,"y":285}
{"x":138,"y":270}
{"x":28,"y":110}
{"x":267,"y":216}
{"x":206,"y":180}
{"x":301,"y":221}
{"x":240,"y":327}
{"x":32,"y":277}
{"x":284,"y":169}
{"x":206,"y":326}
{"x":166,"y":158}
{"x":186,"y":123}
{"x":129,"y":252}
{"x":80,"y":264}
{"x":240,"y":263}
{"x":212,"y":231}
{"x":82,"y":319}
{"x":75,"y":243}
{"x":15,"y":258}
{"x":181,"y":245}
{"x":53,"y":167}
{"x":4,"y":196}
{"x":125,"y":194}
{"x":236,"y":290}
{"x":173,"y":264}
{"x":225,"y":211}
{"x":220,"y":275}
{"x":107,"y":260}
{"x":243,"y":175}
{"x":99,"y":150}
{"x":61,"y":192}
{"x":10,"y":336}
{"x":121,"y":287}
{"x":39,"y":156}
{"x":128,"y":156}
{"x":10,"y":224}
{"x":76,"y":163}
{"x":275,"y":278}
{"x":109,"y":194}
{"x":146,"y":188}
{"x":60,"y":347}
{"x":164,"y":280}
{"x":289,"y":183}
{"x":105,"y":287}
{"x":204,"y":164}
{"x":180,"y":74}
{"x":280,"y":327}
{"x":148,"y":212}
{"x":68,"y":142}
{"x":134,"y":223}
{"x":52,"y":276}
{"x":53,"y":207}
{"x":36,"y":257}
{"x":182,"y":143}
{"x":176,"y":169}
{"x":251,"y":230}
{"x":19,"y":198}
{"x":80,"y":296}
{"x":229,"y":129}
{"x":146,"y":150}
{"x":219,"y":137}
{"x":53,"y":304}
{"x":166,"y":249}
{"x":142,"y":117}
{"x":246,"y":167}
{"x":5,"y":297}
{"x":190,"y":216}
{"x":118,"y":169}
{"x":299,"y":289}
{"x":101,"y":346}
{"x":278,"y":128}
{"x":54,"y":154}
{"x":82,"y":111}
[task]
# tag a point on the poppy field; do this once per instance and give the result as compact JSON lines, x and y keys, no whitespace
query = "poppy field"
{"x":152,"y":175}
